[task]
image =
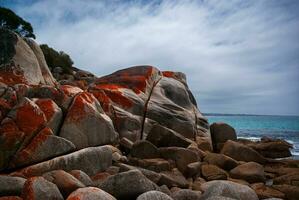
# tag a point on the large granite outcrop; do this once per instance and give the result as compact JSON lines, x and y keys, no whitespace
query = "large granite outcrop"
{"x":43,"y":121}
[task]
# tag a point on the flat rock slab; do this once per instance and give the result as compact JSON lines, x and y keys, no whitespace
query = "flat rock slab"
{"x":91,"y":160}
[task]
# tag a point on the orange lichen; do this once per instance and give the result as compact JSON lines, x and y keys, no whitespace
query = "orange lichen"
{"x":11,"y":75}
{"x":28,"y":188}
{"x":103,"y":99}
{"x":168,"y":74}
{"x":134,"y":78}
{"x":29,"y":117}
{"x":37,"y":141}
{"x":11,"y":134}
{"x":81,"y":106}
{"x":47,"y":106}
{"x":119,"y":98}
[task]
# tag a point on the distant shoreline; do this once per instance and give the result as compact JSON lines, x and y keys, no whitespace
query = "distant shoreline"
{"x":223,"y":114}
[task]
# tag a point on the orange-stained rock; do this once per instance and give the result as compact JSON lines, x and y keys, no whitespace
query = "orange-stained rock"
{"x":65,"y":182}
{"x":11,"y":138}
{"x":41,"y":148}
{"x":90,"y":193}
{"x":37,"y":188}
{"x":91,"y":160}
{"x":24,"y":111}
{"x":86,"y":124}
{"x":139,"y":79}
{"x":52,"y":112}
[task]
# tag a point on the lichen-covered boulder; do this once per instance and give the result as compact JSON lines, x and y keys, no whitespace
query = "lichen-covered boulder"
{"x":22,"y":61}
{"x":139,"y":97}
{"x":52,"y":112}
{"x":41,"y":148}
{"x":86,"y":124}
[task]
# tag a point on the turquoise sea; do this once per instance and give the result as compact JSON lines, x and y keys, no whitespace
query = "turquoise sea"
{"x":256,"y":126}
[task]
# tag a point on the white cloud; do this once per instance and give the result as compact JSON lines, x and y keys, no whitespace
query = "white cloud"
{"x":239,"y":56}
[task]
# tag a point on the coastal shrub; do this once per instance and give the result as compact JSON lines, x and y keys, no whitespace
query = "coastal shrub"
{"x":57,"y":59}
{"x":11,"y":21}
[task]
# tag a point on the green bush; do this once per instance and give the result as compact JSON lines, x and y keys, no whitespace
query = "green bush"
{"x":11,"y":21}
{"x":57,"y":59}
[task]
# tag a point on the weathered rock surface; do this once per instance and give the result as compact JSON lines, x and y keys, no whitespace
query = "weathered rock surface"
{"x":242,"y":152}
{"x":65,"y":182}
{"x":86,"y":124}
{"x":127,"y":185}
{"x":186,"y":194}
{"x":291,"y":192}
{"x":40,"y":188}
{"x":272,"y":148}
{"x":165,"y":137}
{"x":90,"y":160}
{"x":144,"y":149}
{"x":90,"y":193}
{"x":139,"y":97}
{"x":212,"y":172}
{"x":251,"y":172}
{"x":10,"y":185}
{"x":173,"y":178}
{"x":181,"y":156}
{"x":41,"y":148}
{"x":82,"y":176}
{"x":220,"y":133}
{"x":154,"y":195}
{"x":264,"y":191}
{"x":221,"y":160}
{"x":227,"y":189}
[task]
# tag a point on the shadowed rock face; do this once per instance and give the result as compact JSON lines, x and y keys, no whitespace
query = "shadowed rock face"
{"x":7,"y":46}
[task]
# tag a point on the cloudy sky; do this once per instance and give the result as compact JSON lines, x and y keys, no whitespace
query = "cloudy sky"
{"x":239,"y":56}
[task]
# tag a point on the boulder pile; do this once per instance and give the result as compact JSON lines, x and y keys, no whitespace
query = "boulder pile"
{"x":134,"y":134}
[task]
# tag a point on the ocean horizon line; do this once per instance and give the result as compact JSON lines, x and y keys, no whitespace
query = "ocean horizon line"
{"x":238,"y":114}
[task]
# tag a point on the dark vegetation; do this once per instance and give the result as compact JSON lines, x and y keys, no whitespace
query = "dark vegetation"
{"x":13,"y":22}
{"x":57,"y":59}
